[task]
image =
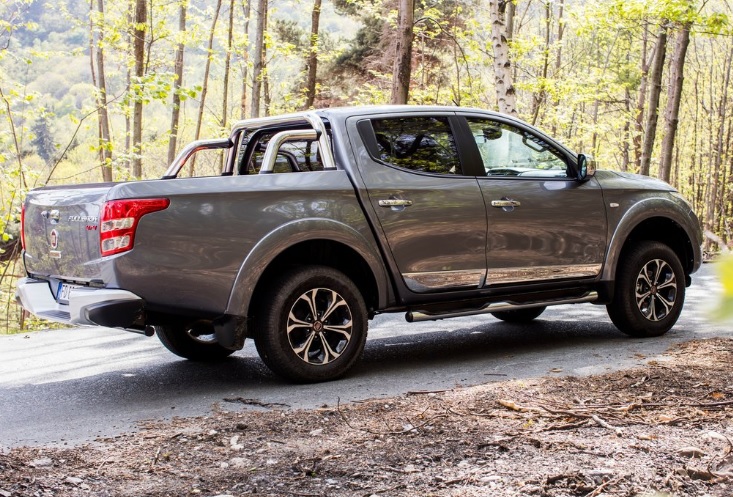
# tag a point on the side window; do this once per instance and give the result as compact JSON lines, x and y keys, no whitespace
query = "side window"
{"x":293,"y":156}
{"x":510,"y":151}
{"x":423,"y":144}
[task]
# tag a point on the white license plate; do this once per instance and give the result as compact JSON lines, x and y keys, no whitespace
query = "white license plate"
{"x":62,"y":295}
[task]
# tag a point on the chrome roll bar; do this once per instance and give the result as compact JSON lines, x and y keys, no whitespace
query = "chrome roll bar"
{"x":318,"y":132}
{"x":268,"y":161}
{"x":191,"y":149}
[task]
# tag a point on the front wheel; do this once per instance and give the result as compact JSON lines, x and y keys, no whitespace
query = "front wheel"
{"x":312,"y":325}
{"x":650,"y":291}
{"x":195,"y":341}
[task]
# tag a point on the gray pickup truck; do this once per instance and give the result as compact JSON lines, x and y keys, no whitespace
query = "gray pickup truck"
{"x":320,"y":220}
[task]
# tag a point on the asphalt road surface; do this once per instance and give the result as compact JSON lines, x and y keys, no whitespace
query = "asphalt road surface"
{"x":70,"y":386}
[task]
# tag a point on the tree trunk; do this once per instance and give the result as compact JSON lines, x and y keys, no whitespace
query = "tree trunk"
{"x":657,"y":69}
{"x":245,"y":60}
{"x":177,"y":83}
{"x":402,"y":68}
{"x":639,"y":119}
{"x":227,"y":66}
{"x":539,"y":98}
{"x":99,"y":80}
{"x":141,"y":19}
{"x":674,"y":95}
{"x":259,"y":57}
{"x":312,"y":59}
{"x":505,"y":93}
{"x":716,"y":187}
{"x":205,"y":84}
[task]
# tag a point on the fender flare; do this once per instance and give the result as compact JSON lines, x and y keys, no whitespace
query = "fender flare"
{"x":669,"y":208}
{"x":294,"y":232}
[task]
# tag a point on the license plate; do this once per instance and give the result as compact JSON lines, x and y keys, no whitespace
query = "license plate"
{"x":62,"y":295}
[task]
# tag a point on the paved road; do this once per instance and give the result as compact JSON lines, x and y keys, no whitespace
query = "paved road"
{"x":69,"y":386}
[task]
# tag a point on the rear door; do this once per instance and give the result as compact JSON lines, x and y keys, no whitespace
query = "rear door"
{"x":543,"y":224}
{"x":431,"y":215}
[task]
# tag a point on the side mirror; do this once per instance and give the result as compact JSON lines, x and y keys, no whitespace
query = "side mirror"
{"x":586,"y":167}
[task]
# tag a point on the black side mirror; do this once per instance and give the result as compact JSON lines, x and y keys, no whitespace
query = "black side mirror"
{"x":586,"y":167}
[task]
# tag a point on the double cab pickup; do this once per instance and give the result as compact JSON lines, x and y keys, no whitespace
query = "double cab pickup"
{"x":318,"y":221}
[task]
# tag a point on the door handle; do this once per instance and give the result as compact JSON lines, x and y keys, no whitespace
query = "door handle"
{"x":395,"y":202}
{"x":505,"y":202}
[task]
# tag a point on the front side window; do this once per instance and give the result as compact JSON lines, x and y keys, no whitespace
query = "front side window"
{"x":510,"y":151}
{"x":424,"y":144}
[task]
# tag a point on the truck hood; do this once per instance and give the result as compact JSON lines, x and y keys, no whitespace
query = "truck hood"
{"x":630,"y":181}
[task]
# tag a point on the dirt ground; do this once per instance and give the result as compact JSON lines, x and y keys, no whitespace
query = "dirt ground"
{"x":664,"y":429}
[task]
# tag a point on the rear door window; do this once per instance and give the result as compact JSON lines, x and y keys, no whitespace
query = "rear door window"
{"x":421,"y":144}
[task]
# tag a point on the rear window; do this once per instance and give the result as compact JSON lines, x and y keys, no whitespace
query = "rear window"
{"x":423,"y":144}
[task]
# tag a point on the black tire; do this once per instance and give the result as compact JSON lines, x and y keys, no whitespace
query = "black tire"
{"x":519,"y":315}
{"x":318,"y":347}
{"x":195,"y":342}
{"x":649,"y":291}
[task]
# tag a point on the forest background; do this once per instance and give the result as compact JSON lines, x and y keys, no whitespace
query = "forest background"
{"x":110,"y":90}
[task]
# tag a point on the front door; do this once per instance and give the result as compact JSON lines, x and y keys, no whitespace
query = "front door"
{"x":543,"y":224}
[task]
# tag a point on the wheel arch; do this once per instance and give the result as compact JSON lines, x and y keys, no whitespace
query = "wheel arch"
{"x":659,"y":220}
{"x":310,"y":241}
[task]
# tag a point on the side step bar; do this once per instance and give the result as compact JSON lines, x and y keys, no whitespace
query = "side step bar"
{"x":413,"y":317}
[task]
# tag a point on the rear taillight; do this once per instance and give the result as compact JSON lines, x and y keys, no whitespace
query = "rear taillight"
{"x":22,"y":226}
{"x":119,"y":221}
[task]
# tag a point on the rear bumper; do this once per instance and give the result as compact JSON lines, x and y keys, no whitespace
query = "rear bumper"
{"x":87,"y":306}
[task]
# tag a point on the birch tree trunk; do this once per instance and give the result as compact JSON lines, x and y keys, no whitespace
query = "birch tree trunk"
{"x":674,"y":96}
{"x":259,"y":57}
{"x":177,"y":83}
{"x":312,"y":60}
{"x":402,"y":68}
{"x":657,"y":68}
{"x":506,"y":97}
{"x":141,"y":19}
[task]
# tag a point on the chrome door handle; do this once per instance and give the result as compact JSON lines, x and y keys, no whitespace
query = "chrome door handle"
{"x":505,"y":203}
{"x":395,"y":202}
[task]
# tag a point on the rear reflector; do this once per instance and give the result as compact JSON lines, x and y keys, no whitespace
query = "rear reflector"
{"x":119,"y":221}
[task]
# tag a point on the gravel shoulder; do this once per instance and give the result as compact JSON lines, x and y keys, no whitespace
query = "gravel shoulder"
{"x":661,"y":429}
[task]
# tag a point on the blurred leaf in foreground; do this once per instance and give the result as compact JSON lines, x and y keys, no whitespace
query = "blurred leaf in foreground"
{"x":725,"y":272}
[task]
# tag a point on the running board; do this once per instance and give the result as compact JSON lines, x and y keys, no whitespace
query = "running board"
{"x":413,"y":317}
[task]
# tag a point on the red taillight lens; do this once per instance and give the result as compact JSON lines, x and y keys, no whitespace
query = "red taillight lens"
{"x":22,"y":226}
{"x":119,"y":220}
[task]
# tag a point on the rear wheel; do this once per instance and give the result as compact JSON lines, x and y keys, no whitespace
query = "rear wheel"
{"x":312,"y":325}
{"x":194,"y":341}
{"x":650,"y":291}
{"x":519,"y":315}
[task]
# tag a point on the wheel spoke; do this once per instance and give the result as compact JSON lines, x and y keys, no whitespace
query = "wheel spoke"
{"x":336,"y":301}
{"x":310,"y":298}
{"x":344,"y":329}
{"x":328,"y":351}
{"x":294,"y":322}
{"x":669,"y":283}
{"x":304,"y":350}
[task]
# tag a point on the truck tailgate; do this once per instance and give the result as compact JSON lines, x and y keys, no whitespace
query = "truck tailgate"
{"x":62,"y":231}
